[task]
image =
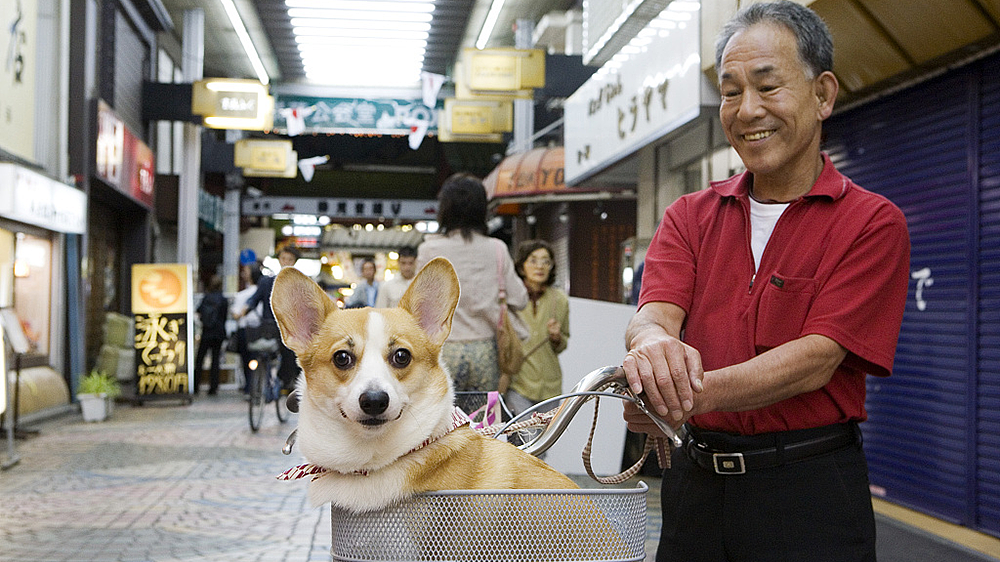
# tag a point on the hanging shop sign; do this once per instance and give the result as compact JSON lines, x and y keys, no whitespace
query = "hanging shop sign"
{"x":357,"y":116}
{"x":164,"y":333}
{"x":123,"y":161}
{"x":634,"y":99}
{"x":365,"y":209}
{"x":504,"y":70}
{"x":469,"y":117}
{"x":32,"y":198}
{"x":226,"y":103}
{"x":266,"y":158}
{"x":18,"y":47}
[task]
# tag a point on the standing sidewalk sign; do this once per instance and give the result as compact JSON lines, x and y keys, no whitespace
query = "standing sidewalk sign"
{"x":164,"y":330}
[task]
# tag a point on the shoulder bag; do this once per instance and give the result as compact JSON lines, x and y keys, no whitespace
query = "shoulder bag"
{"x":510,"y":353}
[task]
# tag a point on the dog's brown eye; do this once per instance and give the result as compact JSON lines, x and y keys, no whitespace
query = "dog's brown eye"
{"x":343,"y":359}
{"x":400,"y":358}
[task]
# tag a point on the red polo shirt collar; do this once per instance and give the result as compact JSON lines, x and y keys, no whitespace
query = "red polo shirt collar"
{"x":830,"y":183}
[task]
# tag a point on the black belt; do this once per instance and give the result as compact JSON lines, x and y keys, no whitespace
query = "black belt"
{"x":725,"y":453}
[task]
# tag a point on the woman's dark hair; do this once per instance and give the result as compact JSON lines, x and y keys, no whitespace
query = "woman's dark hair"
{"x":255,"y":272}
{"x":462,"y":205}
{"x":524,"y":249}
{"x":811,"y":33}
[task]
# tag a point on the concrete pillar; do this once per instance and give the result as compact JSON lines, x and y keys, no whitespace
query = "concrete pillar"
{"x":231,"y":233}
{"x":524,"y":110}
{"x":192,"y":67}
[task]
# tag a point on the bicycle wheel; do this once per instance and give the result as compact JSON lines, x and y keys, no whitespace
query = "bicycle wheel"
{"x":275,"y":393}
{"x":257,"y":397}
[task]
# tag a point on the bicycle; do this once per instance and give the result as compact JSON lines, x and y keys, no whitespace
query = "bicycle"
{"x":265,"y":386}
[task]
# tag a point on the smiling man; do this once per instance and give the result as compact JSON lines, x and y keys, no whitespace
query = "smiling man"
{"x":766,"y":301}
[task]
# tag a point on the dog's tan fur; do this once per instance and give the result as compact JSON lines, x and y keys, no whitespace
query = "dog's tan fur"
{"x":371,"y":459}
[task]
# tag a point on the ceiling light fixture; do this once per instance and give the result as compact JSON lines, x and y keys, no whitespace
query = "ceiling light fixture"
{"x":241,"y":32}
{"x":491,"y":21}
{"x":362,"y":42}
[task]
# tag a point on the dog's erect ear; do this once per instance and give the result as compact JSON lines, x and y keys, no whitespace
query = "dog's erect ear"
{"x":432,"y":298}
{"x":300,"y":307}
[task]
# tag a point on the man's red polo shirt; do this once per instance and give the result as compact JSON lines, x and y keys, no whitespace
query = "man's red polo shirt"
{"x":837,"y":264}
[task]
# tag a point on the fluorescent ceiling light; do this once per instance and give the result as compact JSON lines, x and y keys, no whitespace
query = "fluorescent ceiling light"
{"x":241,"y":32}
{"x":364,"y":15}
{"x":362,"y":42}
{"x":372,"y":33}
{"x":489,"y":24}
{"x":395,"y":6}
{"x":327,"y":25}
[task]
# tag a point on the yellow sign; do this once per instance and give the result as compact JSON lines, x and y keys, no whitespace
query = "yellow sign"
{"x":468,"y":117}
{"x":160,"y":287}
{"x":233,"y":104}
{"x":161,"y":306}
{"x":264,"y":155}
{"x":505,"y":69}
{"x":463,"y":92}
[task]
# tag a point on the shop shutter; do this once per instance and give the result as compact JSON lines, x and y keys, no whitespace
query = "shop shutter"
{"x":988,"y":401}
{"x":914,"y":148}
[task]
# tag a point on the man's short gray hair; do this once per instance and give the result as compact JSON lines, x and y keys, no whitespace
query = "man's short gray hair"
{"x":813,"y":37}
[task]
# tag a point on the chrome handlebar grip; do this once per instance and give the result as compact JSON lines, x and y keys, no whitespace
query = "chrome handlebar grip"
{"x":595,"y":380}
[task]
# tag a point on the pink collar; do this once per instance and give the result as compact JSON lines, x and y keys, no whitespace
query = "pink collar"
{"x":458,"y":419}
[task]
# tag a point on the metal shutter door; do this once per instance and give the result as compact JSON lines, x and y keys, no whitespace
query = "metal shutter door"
{"x":913,"y":148}
{"x":988,"y":385}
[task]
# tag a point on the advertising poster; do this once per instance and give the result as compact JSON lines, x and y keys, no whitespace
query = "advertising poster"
{"x":164,"y":331}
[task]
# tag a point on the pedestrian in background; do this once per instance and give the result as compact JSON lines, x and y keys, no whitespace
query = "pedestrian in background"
{"x":547,"y":317}
{"x":250,"y":274}
{"x":392,"y":290}
{"x":767,"y":300}
{"x":212,"y":312}
{"x":288,"y":371}
{"x":366,"y":291}
{"x":480,"y":261}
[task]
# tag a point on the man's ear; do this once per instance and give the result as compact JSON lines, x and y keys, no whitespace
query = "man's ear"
{"x":827,"y":88}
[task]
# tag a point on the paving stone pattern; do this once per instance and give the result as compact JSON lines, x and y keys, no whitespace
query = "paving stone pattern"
{"x":167,"y":482}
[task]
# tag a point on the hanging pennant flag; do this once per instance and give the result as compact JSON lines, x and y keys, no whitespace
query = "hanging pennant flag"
{"x":308,"y":166}
{"x":431,"y":84}
{"x":295,"y":119}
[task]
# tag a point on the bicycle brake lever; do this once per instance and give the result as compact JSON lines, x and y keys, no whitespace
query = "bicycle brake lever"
{"x":676,"y":439}
{"x":290,"y":442}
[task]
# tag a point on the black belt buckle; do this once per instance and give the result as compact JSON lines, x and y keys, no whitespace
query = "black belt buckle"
{"x":729,"y":463}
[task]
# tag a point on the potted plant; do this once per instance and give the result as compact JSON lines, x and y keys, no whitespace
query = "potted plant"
{"x":96,"y":392}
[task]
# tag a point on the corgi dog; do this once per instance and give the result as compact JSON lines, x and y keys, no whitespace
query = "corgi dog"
{"x":377,"y":421}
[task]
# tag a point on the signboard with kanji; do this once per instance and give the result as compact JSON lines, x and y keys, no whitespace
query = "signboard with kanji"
{"x":164,"y":331}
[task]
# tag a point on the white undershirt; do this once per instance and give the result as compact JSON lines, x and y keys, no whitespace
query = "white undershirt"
{"x":763,"y":217}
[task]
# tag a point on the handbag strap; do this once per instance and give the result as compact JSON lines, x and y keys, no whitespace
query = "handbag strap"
{"x":502,"y":287}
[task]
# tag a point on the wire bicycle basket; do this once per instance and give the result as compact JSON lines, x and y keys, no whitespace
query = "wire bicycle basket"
{"x":500,"y":525}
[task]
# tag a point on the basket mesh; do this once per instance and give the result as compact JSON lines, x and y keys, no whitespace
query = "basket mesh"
{"x":515,"y":525}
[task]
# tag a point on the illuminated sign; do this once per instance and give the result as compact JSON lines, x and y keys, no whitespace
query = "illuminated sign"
{"x":266,"y":158}
{"x":404,"y":209}
{"x":32,"y":198}
{"x":233,"y":104}
{"x":164,"y":332}
{"x":506,"y":70}
{"x":634,"y":100}
{"x":123,"y":161}
{"x":467,"y":117}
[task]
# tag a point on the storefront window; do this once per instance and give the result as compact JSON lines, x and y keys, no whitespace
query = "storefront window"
{"x":32,"y":289}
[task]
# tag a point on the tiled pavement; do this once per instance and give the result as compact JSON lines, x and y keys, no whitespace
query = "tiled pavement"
{"x":163,"y":482}
{"x":166,"y":482}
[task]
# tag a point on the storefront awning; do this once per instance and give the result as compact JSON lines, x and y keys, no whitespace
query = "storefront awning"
{"x":539,"y":170}
{"x":538,"y":176}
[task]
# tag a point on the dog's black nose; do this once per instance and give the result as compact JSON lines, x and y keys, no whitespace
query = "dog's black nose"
{"x":374,"y":402}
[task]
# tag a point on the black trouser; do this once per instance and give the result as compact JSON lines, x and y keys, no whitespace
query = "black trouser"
{"x":818,"y":509}
{"x":204,"y":346}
